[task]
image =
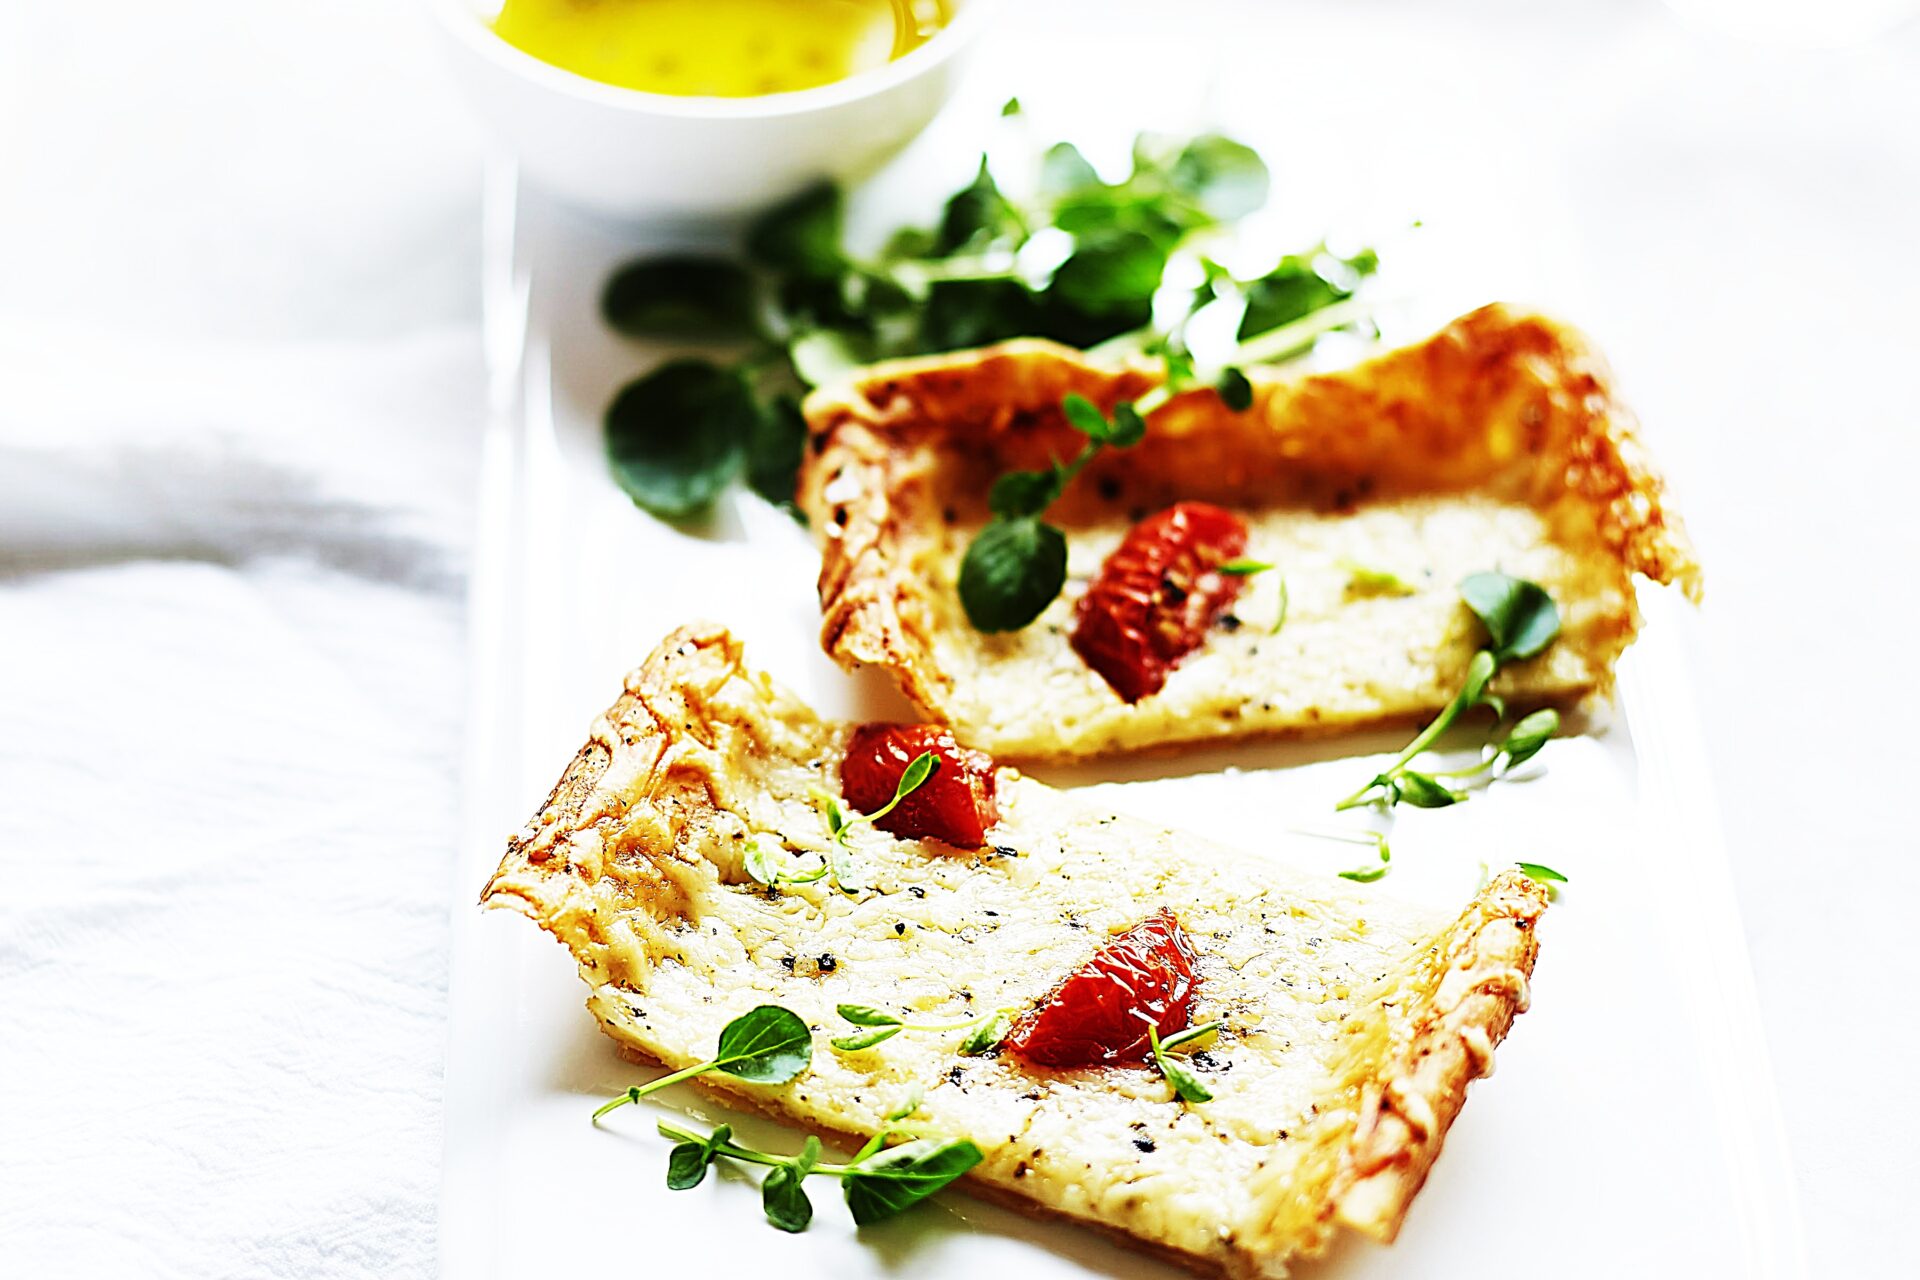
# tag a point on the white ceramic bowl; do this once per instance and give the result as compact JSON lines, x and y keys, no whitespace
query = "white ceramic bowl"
{"x":652,"y":156}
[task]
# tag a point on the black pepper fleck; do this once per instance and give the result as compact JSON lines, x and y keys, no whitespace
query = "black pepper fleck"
{"x":1143,"y":1144}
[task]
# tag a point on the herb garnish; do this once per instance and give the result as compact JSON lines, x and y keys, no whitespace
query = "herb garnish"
{"x":1369,"y":580}
{"x":799,"y":308}
{"x":985,"y":1030}
{"x":879,"y":1182}
{"x":1543,"y":875}
{"x":1251,"y":568}
{"x":766,"y":1045}
{"x":1186,"y":1085}
{"x":839,"y":857}
{"x":1521,"y":620}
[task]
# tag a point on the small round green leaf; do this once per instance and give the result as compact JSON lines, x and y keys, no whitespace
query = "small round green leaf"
{"x":680,"y":296}
{"x":767,"y":1045}
{"x":865,"y":1015}
{"x":889,"y":1181}
{"x":1520,"y":617}
{"x":1012,"y":571}
{"x":802,"y":234}
{"x":1529,"y":736}
{"x":1236,"y":392}
{"x":1226,"y":178}
{"x":864,"y":1039}
{"x":987,"y":1036}
{"x":1111,"y":274}
{"x":1128,"y":426}
{"x":1424,"y":792}
{"x":1084,"y":416}
{"x":786,"y":1204}
{"x":1023,"y":493}
{"x":675,"y":438}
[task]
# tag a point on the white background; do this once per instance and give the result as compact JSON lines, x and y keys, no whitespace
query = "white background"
{"x":240,"y":391}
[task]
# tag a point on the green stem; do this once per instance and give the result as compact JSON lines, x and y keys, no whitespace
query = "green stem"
{"x":1296,"y":336}
{"x":749,"y":1156}
{"x":636,"y":1092}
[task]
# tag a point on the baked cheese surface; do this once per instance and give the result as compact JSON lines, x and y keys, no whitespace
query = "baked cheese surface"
{"x":1495,"y":444}
{"x":1338,"y":1006}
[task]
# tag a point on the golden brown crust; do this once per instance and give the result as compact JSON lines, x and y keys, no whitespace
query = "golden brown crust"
{"x":1500,"y":402}
{"x":1479,"y":987}
{"x":604,"y":852}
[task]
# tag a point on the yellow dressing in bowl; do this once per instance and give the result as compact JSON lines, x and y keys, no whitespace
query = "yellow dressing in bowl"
{"x":719,"y":48}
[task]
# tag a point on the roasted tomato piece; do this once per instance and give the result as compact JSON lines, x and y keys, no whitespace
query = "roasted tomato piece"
{"x":1099,"y":1013}
{"x":1157,"y":594}
{"x":955,"y":803}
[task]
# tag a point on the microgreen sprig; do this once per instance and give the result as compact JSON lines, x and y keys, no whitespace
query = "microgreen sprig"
{"x":1376,"y":839}
{"x":1186,"y":1085}
{"x":841,"y":822}
{"x":879,"y":1182}
{"x":765,"y":1045}
{"x":985,"y":1031}
{"x":1520,"y":620}
{"x":1543,"y":875}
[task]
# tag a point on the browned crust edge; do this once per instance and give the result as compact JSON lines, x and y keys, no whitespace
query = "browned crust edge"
{"x":1471,"y":991}
{"x":867,"y":456}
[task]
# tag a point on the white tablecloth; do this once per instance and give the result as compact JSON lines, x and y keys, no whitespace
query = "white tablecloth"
{"x":240,"y":391}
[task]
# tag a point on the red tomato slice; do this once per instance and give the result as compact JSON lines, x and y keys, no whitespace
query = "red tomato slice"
{"x":1157,"y":594}
{"x":955,"y":803}
{"x":1100,"y":1012}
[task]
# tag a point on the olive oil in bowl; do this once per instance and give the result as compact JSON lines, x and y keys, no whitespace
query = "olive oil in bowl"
{"x":719,"y":48}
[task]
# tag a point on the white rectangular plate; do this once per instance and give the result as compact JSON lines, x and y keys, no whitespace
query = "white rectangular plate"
{"x":1631,"y":1128}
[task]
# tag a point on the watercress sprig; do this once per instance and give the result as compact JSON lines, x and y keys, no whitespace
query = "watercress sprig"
{"x":1520,"y":620}
{"x":878,"y":1183}
{"x":765,"y":1045}
{"x":984,"y":1030}
{"x":1186,"y":1085}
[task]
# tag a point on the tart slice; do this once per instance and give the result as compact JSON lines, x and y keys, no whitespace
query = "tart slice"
{"x":1081,"y":941}
{"x":1496,"y":444}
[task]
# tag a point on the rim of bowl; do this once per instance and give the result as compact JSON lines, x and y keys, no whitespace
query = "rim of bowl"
{"x":463,"y":22}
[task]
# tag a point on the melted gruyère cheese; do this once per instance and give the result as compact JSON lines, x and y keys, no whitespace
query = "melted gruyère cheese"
{"x":1294,"y":967}
{"x":1341,"y":658}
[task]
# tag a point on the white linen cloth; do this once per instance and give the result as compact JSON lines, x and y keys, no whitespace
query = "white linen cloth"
{"x":240,"y":396}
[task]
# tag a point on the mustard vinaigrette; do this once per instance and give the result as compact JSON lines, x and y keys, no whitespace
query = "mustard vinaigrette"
{"x":719,"y":48}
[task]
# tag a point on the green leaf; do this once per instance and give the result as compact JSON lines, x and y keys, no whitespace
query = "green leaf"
{"x":681,"y":296}
{"x":1242,"y":568}
{"x":1085,"y":417}
{"x":825,"y":356}
{"x":1291,"y":291}
{"x":1424,"y":792}
{"x":676,"y":437}
{"x":865,"y":1015}
{"x":1226,"y":178}
{"x":865,"y":1039}
{"x":1023,"y":493}
{"x":909,"y":1103}
{"x":774,"y":449}
{"x":918,"y":770}
{"x":766,"y":1045}
{"x":987,"y":1035}
{"x":687,"y":1163}
{"x":760,"y":865}
{"x":889,"y":1181}
{"x":781,"y":1196}
{"x":1366,"y":580}
{"x":1480,"y":671}
{"x":1111,"y":276}
{"x":802,"y":234}
{"x":976,"y":216}
{"x":1544,"y":874}
{"x":1236,"y":392}
{"x":1366,"y":875}
{"x":1184,"y":1082}
{"x":1280,"y":618}
{"x":1012,"y":571}
{"x":959,"y":314}
{"x":1186,"y":1085}
{"x":1064,"y":170}
{"x":1011,"y":107}
{"x":1531,"y":734}
{"x":1129,"y":428}
{"x":1520,"y":617}
{"x":846,"y":873}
